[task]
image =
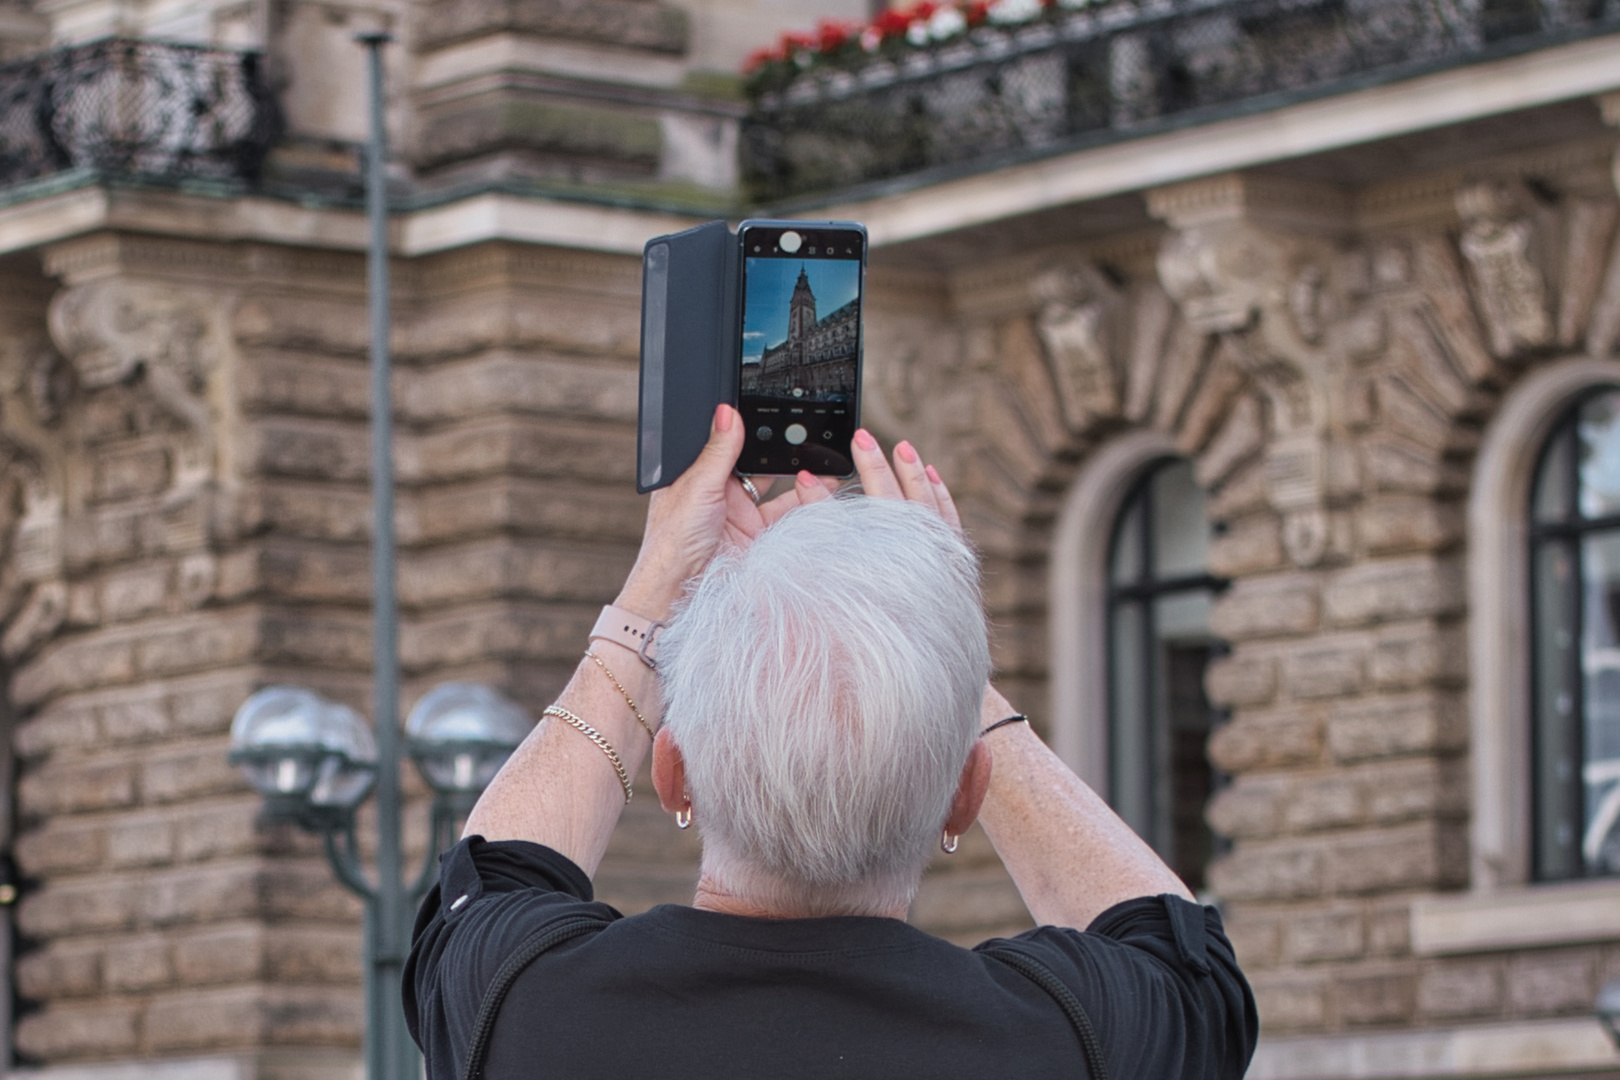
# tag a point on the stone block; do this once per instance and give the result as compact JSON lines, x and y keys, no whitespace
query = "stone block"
{"x":1337,"y":933}
{"x":1268,"y":740}
{"x":1385,"y":997}
{"x":59,"y":726}
{"x":198,"y":643}
{"x":1284,"y":604}
{"x":313,"y":1016}
{"x":1402,"y":790}
{"x":1394,"y":524}
{"x":60,"y":971}
{"x":76,"y":1031}
{"x":282,"y":381}
{"x":1394,"y":589}
{"x":217,"y":1018}
{"x":61,"y":846}
{"x":1242,"y":492}
{"x":60,"y":908}
{"x":1389,"y":929}
{"x":130,"y":594}
{"x":1290,"y":1002}
{"x":526,"y":446}
{"x":219,"y":954}
{"x":1269,"y":870}
{"x":1417,"y":655}
{"x":528,"y":507}
{"x":298,"y":891}
{"x":1391,"y":464}
{"x":309,"y":449}
{"x":218,"y":829}
{"x":205,"y":892}
{"x":1461,"y":988}
{"x":137,"y":717}
{"x":1256,"y":935}
{"x":309,"y":954}
{"x":308,"y":509}
{"x":1323,"y":801}
{"x":133,"y":966}
{"x":487,"y":570}
{"x":77,"y":663}
{"x":507,"y":630}
{"x":130,"y":471}
{"x":621,"y":24}
{"x":1241,"y":680}
{"x":1250,"y":545}
{"x":205,"y":705}
{"x":1326,"y":668}
{"x":305,"y":571}
{"x":321,"y":638}
{"x":143,"y":841}
{"x":189,"y":772}
{"x":1390,"y":859}
{"x":1367,"y":729}
{"x":501,"y":381}
{"x":1545,"y":982}
{"x":1250,"y":807}
{"x":69,"y":786}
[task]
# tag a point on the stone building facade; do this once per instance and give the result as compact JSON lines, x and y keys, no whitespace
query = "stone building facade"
{"x":1359,"y":318}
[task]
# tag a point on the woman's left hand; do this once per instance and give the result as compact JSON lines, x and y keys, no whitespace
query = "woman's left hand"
{"x":689,"y":521}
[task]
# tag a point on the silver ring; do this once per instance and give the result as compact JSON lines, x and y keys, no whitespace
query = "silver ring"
{"x":748,"y":486}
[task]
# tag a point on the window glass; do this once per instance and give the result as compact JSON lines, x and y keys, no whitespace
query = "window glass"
{"x":1159,"y":599}
{"x":1575,"y":655}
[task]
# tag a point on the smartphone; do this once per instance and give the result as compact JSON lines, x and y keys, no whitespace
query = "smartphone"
{"x":798,"y":375}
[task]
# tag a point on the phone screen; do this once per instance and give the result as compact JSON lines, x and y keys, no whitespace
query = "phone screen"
{"x":799,"y":387}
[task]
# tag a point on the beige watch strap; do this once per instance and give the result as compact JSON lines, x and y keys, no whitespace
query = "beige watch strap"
{"x":630,"y":630}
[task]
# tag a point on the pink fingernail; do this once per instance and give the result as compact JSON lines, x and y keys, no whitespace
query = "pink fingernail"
{"x":906,"y":452}
{"x":933,"y":474}
{"x":722,"y":418}
{"x":864,"y":440}
{"x":806,"y":478}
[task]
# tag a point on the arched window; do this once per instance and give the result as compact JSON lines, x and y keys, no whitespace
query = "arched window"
{"x":1158,"y":598}
{"x":1574,"y":534}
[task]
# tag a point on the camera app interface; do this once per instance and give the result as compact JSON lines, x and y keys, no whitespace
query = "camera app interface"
{"x":801,"y":349}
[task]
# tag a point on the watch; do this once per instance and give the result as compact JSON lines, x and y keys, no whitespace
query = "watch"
{"x":630,"y":630}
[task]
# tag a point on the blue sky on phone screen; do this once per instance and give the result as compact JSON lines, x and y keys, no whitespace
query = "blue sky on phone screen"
{"x":835,"y":283}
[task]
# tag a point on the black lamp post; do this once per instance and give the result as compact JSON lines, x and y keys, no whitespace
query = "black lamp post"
{"x":315,"y":762}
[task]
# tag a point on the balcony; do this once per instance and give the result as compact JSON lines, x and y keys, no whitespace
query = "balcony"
{"x":1081,"y":73}
{"x":140,"y":111}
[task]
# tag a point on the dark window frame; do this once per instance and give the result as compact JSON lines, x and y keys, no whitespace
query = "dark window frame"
{"x":1143,"y":592}
{"x":1568,"y":533}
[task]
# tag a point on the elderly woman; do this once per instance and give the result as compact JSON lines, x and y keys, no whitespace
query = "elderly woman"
{"x":821,"y":710}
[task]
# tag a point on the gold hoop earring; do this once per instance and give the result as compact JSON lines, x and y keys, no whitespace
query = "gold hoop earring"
{"x":683,"y":817}
{"x":947,"y":843}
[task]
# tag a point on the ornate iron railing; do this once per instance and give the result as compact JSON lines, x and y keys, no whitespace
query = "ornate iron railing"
{"x":144,"y":110}
{"x":1111,"y":69}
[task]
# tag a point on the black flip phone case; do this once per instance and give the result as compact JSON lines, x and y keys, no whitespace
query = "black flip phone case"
{"x":690,"y":346}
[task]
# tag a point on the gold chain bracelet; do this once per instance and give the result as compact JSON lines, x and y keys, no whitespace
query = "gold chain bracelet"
{"x":596,"y":737}
{"x":642,"y":720}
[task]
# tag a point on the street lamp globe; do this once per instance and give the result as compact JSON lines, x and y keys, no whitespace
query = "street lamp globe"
{"x":310,"y":758}
{"x":460,"y":734}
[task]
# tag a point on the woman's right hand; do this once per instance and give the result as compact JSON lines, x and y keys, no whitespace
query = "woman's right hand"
{"x":908,"y":478}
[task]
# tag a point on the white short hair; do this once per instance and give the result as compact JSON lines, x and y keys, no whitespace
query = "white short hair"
{"x":824,"y":690}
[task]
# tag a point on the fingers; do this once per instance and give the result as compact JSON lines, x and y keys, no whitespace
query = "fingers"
{"x":942,"y":496}
{"x":877,"y":479}
{"x":807,"y":488}
{"x":914,"y":483}
{"x":719,"y":455}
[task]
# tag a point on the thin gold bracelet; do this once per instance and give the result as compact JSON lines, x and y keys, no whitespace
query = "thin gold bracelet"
{"x":642,"y":720}
{"x":596,"y":737}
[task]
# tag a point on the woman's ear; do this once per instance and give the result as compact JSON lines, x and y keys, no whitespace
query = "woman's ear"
{"x":970,"y":790}
{"x":669,"y":773}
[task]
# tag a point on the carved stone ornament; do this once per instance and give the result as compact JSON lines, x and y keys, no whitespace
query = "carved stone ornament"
{"x":1498,"y":241}
{"x":1080,"y":309}
{"x":117,"y":332}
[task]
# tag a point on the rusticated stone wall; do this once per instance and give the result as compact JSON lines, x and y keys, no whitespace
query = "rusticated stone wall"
{"x":1327,"y":359}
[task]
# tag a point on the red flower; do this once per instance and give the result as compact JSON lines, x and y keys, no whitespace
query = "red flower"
{"x":893,"y":23}
{"x":833,"y":35}
{"x":977,"y":12}
{"x":795,"y":41}
{"x":924,"y":10}
{"x":759,"y":58}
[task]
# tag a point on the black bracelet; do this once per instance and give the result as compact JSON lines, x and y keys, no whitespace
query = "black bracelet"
{"x":1015,"y":718}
